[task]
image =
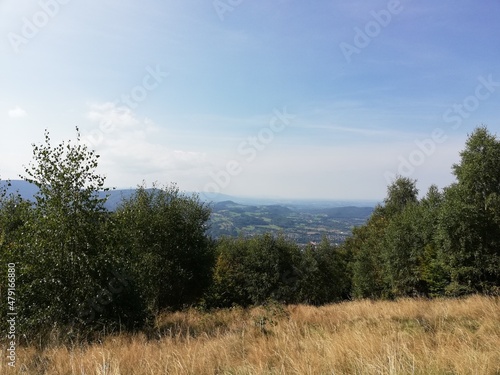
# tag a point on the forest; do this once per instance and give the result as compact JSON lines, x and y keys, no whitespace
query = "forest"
{"x":80,"y":269}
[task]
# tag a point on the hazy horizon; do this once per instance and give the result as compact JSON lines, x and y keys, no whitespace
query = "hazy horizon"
{"x":243,"y":199}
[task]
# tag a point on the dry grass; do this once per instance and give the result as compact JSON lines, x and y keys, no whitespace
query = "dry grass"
{"x":460,"y":336}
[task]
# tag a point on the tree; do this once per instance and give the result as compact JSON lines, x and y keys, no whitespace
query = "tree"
{"x":60,"y":247}
{"x":478,"y":172}
{"x":433,"y":269}
{"x":367,"y":267}
{"x":469,"y":226}
{"x":269,"y":263}
{"x":400,"y":193}
{"x":14,"y":212}
{"x":229,"y":278}
{"x":413,"y":264}
{"x":252,"y":271}
{"x":410,"y":256}
{"x":371,"y":254}
{"x":162,"y":234}
{"x":324,"y":272}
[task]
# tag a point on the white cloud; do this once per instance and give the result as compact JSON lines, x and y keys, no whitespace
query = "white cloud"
{"x":118,"y":118}
{"x":133,"y":149}
{"x":17,"y":112}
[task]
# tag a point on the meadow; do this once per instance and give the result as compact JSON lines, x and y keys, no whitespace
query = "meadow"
{"x":407,"y":336}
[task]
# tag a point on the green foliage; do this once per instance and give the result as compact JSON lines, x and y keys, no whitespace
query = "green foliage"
{"x":432,"y":266}
{"x":326,"y":277}
{"x":366,"y":245}
{"x":62,"y":262}
{"x":443,"y":244}
{"x":470,"y":240}
{"x":405,"y":252}
{"x":14,"y":213}
{"x":59,"y":245}
{"x":469,"y":230}
{"x":268,"y":261}
{"x":478,"y":172}
{"x":377,"y":246}
{"x":80,"y":267}
{"x":433,"y":271}
{"x":389,"y":252}
{"x":229,"y":279}
{"x":401,"y":193}
{"x":409,"y":241}
{"x":254,"y":270}
{"x":272,"y":313}
{"x":162,"y":235}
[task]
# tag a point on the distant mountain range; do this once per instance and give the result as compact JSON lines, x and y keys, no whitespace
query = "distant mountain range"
{"x":28,"y":191}
{"x":304,"y":221}
{"x":295,"y":203}
{"x":337,"y":208}
{"x":347,"y":212}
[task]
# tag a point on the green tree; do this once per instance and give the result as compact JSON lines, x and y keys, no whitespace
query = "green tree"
{"x":432,"y":265}
{"x":252,"y":271}
{"x":307,"y":279}
{"x":60,"y":247}
{"x":400,"y":193}
{"x":14,"y":212}
{"x":270,"y":261}
{"x":403,"y":252}
{"x":229,"y":286}
{"x":410,"y":257}
{"x":469,"y":226}
{"x":365,"y":246}
{"x":325,"y":276}
{"x":162,"y":234}
{"x":368,"y":244}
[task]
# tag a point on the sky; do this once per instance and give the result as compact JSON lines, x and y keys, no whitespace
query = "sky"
{"x":263,"y":98}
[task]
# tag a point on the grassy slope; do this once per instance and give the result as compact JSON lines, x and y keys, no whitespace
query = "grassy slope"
{"x":460,"y":336}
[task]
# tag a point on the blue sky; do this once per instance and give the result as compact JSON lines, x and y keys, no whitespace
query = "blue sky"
{"x":282,"y":98}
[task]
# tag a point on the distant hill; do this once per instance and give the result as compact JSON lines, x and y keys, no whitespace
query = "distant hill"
{"x":304,"y":221}
{"x":344,"y":212}
{"x":28,"y":191}
{"x":25,"y":189}
{"x":350,"y":209}
{"x":228,"y":205}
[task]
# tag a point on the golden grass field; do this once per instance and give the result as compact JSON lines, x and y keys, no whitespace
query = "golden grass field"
{"x":409,"y":336}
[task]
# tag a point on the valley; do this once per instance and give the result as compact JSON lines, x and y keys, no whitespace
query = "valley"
{"x":302,"y":224}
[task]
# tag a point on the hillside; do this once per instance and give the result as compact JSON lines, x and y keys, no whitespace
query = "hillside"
{"x":455,"y":336}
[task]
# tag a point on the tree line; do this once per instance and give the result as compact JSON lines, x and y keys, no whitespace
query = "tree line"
{"x":81,"y":269}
